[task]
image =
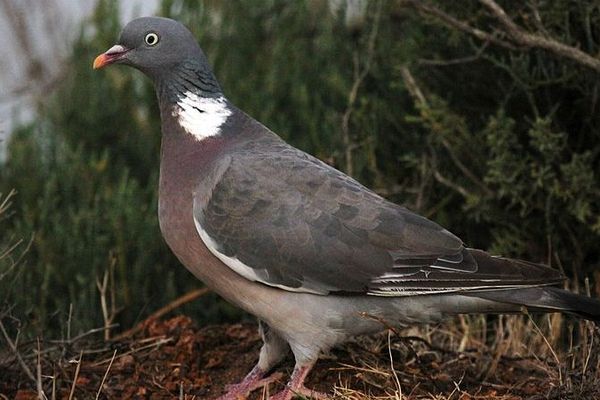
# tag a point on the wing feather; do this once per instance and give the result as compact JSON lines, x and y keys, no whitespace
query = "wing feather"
{"x":286,"y":219}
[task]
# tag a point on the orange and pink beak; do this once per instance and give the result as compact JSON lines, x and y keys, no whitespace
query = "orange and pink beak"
{"x":114,"y":54}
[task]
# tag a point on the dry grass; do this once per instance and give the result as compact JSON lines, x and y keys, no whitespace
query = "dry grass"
{"x":513,"y":357}
{"x":509,"y":357}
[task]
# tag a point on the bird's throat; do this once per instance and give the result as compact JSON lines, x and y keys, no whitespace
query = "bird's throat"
{"x":201,"y":117}
{"x":191,"y":96}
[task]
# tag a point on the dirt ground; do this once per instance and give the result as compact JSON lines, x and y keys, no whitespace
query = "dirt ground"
{"x":175,"y":359}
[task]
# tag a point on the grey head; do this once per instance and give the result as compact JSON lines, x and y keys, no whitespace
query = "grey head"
{"x":167,"y":52}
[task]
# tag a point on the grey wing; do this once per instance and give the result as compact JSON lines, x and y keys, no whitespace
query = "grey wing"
{"x":291,"y":221}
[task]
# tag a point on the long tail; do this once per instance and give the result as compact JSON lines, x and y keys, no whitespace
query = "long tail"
{"x":547,"y":299}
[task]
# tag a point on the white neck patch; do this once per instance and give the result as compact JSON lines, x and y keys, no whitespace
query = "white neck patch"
{"x":201,"y":117}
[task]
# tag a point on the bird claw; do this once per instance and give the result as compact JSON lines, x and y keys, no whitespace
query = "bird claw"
{"x":240,"y":391}
{"x":288,"y":394}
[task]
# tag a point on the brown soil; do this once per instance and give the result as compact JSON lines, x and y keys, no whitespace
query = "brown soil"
{"x":173,"y":359}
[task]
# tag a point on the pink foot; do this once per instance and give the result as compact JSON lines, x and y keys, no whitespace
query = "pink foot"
{"x":288,"y":394}
{"x":296,"y":386}
{"x":254,"y":380}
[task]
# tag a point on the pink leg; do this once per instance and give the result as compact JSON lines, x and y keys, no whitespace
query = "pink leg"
{"x":254,"y":380}
{"x":296,"y":386}
{"x":272,"y":352}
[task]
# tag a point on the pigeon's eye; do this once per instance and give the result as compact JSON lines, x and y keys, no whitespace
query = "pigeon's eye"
{"x":151,"y":39}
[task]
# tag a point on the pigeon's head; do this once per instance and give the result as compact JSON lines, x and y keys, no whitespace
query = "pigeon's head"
{"x":153,"y":45}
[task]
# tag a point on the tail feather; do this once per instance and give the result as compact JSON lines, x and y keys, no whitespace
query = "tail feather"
{"x":546,"y":299}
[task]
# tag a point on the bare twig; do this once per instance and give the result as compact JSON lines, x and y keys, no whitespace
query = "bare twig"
{"x":390,"y":327}
{"x":154,"y":344}
{"x":106,"y":375}
{"x":421,"y":101}
{"x":104,"y":287}
{"x":69,"y":319}
{"x":455,"y":61}
{"x":6,"y":203}
{"x":406,"y":342}
{"x":589,"y":353}
{"x":514,"y":37}
{"x":72,"y":392}
{"x":9,"y":250}
{"x":396,"y":380}
{"x":463,"y":168}
{"x":82,"y":335}
{"x":452,"y":185}
{"x":16,"y":353}
{"x":539,"y":331}
{"x":527,"y":39}
{"x":17,"y":261}
{"x":186,"y":298}
{"x":452,"y":22}
{"x":53,"y":396}
{"x":412,"y":87}
{"x":40,"y":388}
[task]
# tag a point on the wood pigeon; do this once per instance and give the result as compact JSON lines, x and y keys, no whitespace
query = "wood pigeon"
{"x":305,"y":248}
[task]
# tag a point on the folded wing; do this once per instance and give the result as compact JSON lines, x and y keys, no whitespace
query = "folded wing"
{"x":281,"y":217}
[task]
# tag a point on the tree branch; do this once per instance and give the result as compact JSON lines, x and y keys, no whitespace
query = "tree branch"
{"x":515,"y":37}
{"x":452,"y":22}
{"x":455,"y":61}
{"x":527,"y":39}
{"x":417,"y":94}
{"x":15,"y":351}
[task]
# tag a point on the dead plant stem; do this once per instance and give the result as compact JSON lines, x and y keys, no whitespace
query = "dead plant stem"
{"x":106,"y":375}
